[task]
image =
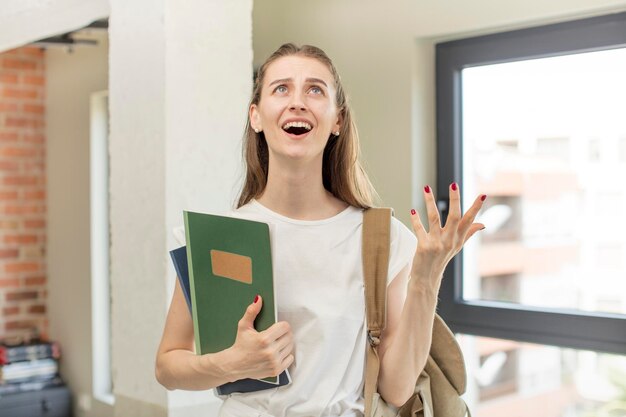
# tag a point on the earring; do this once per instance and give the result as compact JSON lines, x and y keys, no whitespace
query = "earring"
{"x":336,"y":133}
{"x":256,"y":130}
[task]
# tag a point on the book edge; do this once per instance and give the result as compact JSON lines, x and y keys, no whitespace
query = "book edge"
{"x":192,"y":287}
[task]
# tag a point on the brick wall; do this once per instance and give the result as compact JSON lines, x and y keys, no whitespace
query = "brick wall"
{"x":22,"y":193}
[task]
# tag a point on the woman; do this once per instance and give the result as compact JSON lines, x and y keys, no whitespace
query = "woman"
{"x":303,"y":176}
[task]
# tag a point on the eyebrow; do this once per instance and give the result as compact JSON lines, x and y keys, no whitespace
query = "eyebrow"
{"x":308,"y":80}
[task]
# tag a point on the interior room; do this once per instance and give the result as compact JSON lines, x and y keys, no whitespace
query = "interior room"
{"x":117,"y":116}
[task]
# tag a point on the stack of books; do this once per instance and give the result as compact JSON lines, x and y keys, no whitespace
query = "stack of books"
{"x":226,"y":262}
{"x":29,"y":367}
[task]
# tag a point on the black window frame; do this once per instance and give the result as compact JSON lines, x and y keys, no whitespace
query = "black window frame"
{"x":570,"y":328}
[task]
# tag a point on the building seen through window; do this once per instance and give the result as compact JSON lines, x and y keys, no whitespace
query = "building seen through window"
{"x":545,"y":139}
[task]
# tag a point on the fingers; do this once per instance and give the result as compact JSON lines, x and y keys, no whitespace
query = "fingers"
{"x":468,"y":219}
{"x":276,"y":330}
{"x":418,"y":227}
{"x":284,"y":341}
{"x":282,"y":349}
{"x":286,"y":363}
{"x":253,"y":310}
{"x":434,"y":222}
{"x":475,"y":228}
{"x":454,"y":221}
{"x":285,"y":346}
{"x":454,"y":211}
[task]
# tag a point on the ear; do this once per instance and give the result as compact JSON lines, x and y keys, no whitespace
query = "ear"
{"x":338,"y":122}
{"x":255,"y":117}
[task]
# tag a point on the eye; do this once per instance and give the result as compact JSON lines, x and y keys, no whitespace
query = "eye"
{"x":281,"y":89}
{"x":316,"y":90}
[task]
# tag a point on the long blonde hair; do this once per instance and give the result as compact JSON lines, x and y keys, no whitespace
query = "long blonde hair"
{"x":342,"y":172}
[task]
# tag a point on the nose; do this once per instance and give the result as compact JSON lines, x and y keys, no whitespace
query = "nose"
{"x":297,"y":103}
{"x":300,"y":107}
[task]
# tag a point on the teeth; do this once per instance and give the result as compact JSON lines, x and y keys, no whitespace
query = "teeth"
{"x":297,"y":124}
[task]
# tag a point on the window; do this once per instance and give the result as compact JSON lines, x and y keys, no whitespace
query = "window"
{"x":100,"y":243}
{"x":534,"y":119}
{"x":516,"y":378}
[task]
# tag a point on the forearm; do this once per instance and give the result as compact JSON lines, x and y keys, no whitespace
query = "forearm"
{"x":183,"y":369}
{"x":408,"y":349}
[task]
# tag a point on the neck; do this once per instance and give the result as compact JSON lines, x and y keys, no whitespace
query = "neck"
{"x":297,"y":192}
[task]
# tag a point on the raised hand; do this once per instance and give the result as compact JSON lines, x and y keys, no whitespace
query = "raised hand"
{"x":439,"y":245}
{"x":261,"y":354}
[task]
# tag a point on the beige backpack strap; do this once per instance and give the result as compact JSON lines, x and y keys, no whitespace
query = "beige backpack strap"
{"x":376,"y":241}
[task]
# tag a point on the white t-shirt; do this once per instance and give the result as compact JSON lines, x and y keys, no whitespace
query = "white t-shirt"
{"x":319,"y":291}
{"x":318,"y":282}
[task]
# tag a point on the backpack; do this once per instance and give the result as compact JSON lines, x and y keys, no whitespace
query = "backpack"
{"x":441,"y":383}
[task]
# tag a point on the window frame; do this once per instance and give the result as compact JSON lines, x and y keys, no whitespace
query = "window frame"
{"x":100,"y":242}
{"x":570,"y":328}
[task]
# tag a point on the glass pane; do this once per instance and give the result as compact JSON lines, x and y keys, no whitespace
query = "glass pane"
{"x":545,"y":139}
{"x":508,"y":378}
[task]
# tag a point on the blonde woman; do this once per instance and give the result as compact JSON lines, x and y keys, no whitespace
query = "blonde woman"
{"x":303,"y":176}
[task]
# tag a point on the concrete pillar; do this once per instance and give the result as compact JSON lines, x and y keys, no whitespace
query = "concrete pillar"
{"x":180,"y":79}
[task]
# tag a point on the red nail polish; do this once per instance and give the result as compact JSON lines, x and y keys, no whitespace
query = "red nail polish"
{"x":427,"y":189}
{"x":412,"y":212}
{"x":482,"y":197}
{"x":256,"y":299}
{"x":454,"y":186}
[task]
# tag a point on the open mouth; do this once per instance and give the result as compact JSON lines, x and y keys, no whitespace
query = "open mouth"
{"x":297,"y":128}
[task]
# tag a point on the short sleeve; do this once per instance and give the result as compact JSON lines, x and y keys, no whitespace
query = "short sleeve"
{"x":402,"y":250}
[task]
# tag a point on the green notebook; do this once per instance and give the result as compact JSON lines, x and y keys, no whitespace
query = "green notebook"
{"x":230,"y":262}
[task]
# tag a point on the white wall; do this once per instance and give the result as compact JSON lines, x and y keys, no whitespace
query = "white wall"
{"x":71,"y":78}
{"x":458,"y":18}
{"x":25,"y":21}
{"x":205,"y":111}
{"x":385,"y":55}
{"x":180,"y":77}
{"x":179,"y":86}
{"x":370,"y":47}
{"x":137,"y":211}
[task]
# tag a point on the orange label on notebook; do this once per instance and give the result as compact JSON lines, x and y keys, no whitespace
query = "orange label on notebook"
{"x":232,"y":266}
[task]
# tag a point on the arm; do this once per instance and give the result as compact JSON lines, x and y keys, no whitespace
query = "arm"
{"x":253,"y":355}
{"x":405,"y":343}
{"x":411,"y":308}
{"x":177,"y":365}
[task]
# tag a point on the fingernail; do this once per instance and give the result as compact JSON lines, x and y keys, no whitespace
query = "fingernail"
{"x":256,"y":299}
{"x":482,"y":228}
{"x":427,"y":189}
{"x":412,"y":212}
{"x":482,"y":198}
{"x":454,"y":186}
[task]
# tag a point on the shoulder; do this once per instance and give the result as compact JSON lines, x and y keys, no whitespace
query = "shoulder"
{"x":399,"y":230}
{"x":403,"y":244}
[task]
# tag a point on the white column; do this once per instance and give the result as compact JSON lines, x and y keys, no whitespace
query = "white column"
{"x":180,"y":79}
